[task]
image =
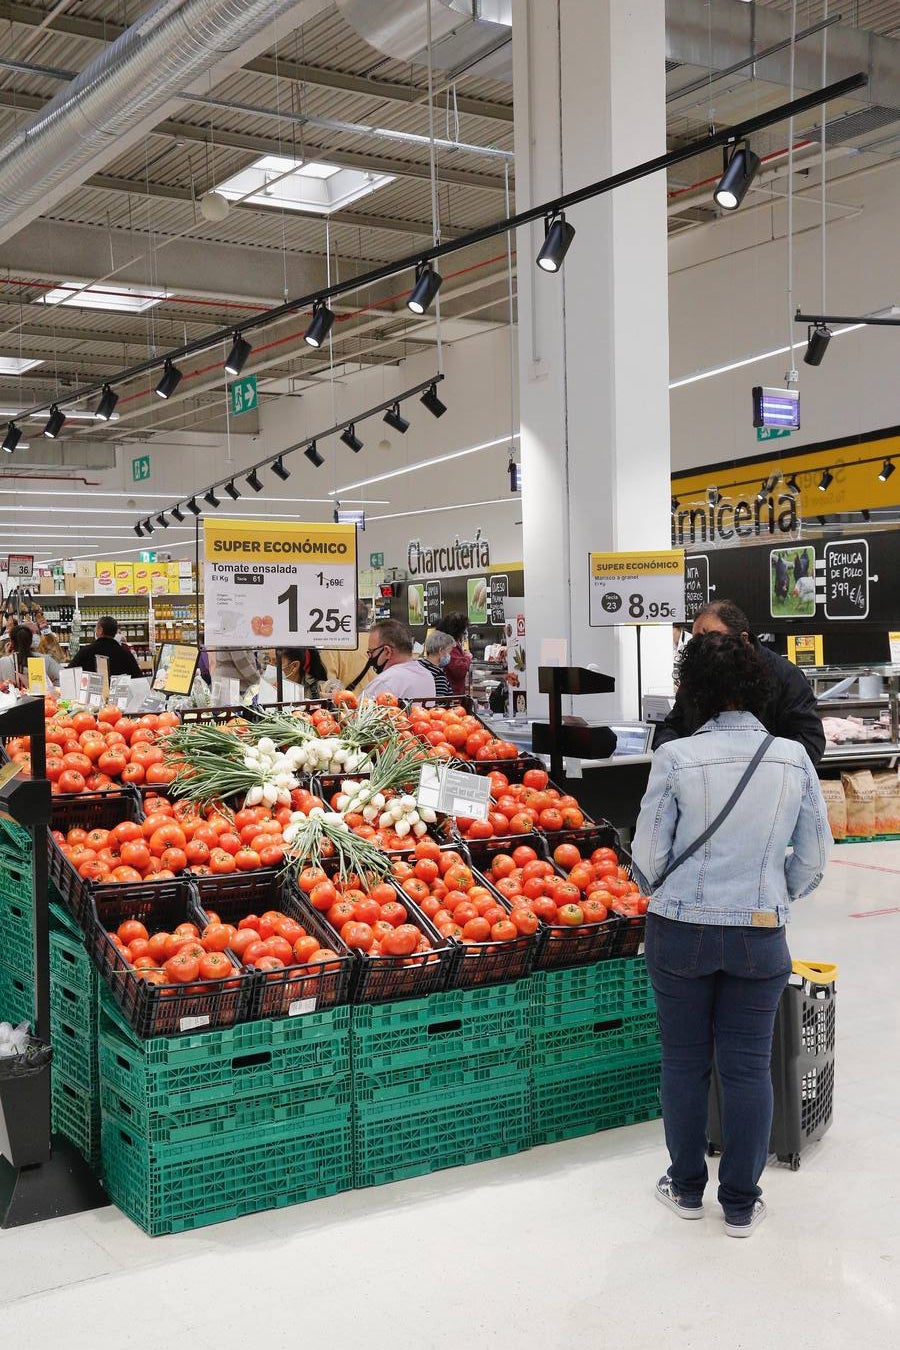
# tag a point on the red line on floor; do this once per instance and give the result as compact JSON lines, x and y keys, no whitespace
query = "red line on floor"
{"x":871,"y":913}
{"x":867,"y":867}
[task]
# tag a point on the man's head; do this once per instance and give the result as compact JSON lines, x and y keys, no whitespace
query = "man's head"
{"x":438,"y":647}
{"x":722,"y":616}
{"x":107,"y":627}
{"x":390,"y":643}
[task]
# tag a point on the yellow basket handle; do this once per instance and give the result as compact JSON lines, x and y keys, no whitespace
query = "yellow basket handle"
{"x":816,"y":972}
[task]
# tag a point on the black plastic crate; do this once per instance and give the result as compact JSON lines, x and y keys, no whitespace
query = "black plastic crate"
{"x":87,"y":811}
{"x":216,"y":716}
{"x":298,"y":988}
{"x":169,"y":1009}
{"x":803,"y":1059}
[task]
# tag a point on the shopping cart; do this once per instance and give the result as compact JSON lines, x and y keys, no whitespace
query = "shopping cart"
{"x":802,"y":1065}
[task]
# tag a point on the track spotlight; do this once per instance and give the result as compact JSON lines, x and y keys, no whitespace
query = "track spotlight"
{"x":177,"y":514}
{"x":192,"y":506}
{"x":320,"y":326}
{"x":887,"y":469}
{"x":12,"y":438}
{"x":139,"y":530}
{"x":277,"y":467}
{"x":395,"y":419}
{"x":148,"y":528}
{"x":351,"y":440}
{"x":237,"y":357}
{"x":740,"y":169}
{"x":107,"y":405}
{"x":232,"y":490}
{"x":558,"y":235}
{"x":792,"y":485}
{"x":817,"y":340}
{"x":55,"y":423}
{"x":432,"y":402}
{"x":866,"y":515}
{"x":823,"y":521}
{"x":171,"y":379}
{"x":825,"y":481}
{"x":163,"y":520}
{"x":254,"y":481}
{"x":312,"y":454}
{"x":211,"y":499}
{"x":428,"y":283}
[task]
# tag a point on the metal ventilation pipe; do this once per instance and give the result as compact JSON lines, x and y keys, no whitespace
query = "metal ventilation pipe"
{"x":466,"y":34}
{"x":169,"y":46}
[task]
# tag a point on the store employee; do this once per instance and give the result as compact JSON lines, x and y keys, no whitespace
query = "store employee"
{"x":791,"y":712}
{"x":390,"y":650}
{"x":121,"y":659}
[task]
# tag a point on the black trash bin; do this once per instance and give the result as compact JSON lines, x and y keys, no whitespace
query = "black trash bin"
{"x":25,"y":1105}
{"x":802,"y":1065}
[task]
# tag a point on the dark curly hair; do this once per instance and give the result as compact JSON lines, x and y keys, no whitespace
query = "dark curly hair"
{"x":717,"y":671}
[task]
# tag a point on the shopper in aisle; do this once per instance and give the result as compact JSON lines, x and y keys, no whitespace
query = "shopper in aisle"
{"x":121,"y":659}
{"x":438,"y":647}
{"x":234,"y":663}
{"x":791,"y":708}
{"x":304,"y":665}
{"x":49,"y":646}
{"x":711,"y":848}
{"x":352,"y":669}
{"x":390,"y":648}
{"x":457,"y":669}
{"x":14,"y":666}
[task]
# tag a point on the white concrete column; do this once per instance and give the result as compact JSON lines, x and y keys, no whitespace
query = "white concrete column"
{"x":589,"y":88}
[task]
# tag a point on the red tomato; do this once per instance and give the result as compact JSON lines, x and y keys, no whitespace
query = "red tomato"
{"x":130,"y":930}
{"x":243,"y":939}
{"x":70,"y":780}
{"x":217,"y":936}
{"x":570,"y":916}
{"x":220,"y":862}
{"x":135,"y":853}
{"x":182,"y":968}
{"x":401,"y":941}
{"x":358,"y":936}
{"x":214,"y":966}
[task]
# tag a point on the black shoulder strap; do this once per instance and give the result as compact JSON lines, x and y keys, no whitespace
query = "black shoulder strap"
{"x":353,"y":683}
{"x":726,"y":810}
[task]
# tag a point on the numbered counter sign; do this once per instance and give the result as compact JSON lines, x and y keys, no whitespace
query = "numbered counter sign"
{"x":279,"y":583}
{"x":636,"y":588}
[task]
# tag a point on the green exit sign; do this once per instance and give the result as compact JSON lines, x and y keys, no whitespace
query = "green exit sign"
{"x":147,"y":555}
{"x":376,"y":560}
{"x":140,"y":468}
{"x":244,"y":395}
{"x":771,"y":433}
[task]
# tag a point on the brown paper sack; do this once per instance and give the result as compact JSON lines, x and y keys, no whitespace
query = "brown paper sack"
{"x":859,"y":789}
{"x":836,"y":803}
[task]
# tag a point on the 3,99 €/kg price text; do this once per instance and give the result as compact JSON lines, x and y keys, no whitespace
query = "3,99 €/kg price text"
{"x":279,"y":584}
{"x":636,"y":588}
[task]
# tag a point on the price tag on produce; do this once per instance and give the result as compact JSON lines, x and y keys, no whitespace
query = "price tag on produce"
{"x":90,"y":689}
{"x":636,"y":588}
{"x":274,"y":583}
{"x":454,"y":791}
{"x":154,"y":702}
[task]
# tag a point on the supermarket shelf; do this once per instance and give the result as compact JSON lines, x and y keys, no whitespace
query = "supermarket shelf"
{"x":851,"y":753}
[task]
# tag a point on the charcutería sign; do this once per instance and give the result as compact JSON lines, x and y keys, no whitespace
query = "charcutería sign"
{"x":456,"y":557}
{"x":738,"y":518}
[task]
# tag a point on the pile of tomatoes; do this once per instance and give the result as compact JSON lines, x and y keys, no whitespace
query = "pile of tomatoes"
{"x":268,"y":942}
{"x":456,"y":901}
{"x":180,"y":957}
{"x":591,"y":890}
{"x":87,"y":753}
{"x":454,"y":733}
{"x":370,"y":919}
{"x":519,"y":808}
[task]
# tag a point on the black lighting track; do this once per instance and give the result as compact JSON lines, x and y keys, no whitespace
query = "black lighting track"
{"x":729,"y":135}
{"x":873,"y":320}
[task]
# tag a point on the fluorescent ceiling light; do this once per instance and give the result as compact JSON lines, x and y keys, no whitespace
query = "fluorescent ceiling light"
{"x":462,"y":506}
{"x":120,"y":299}
{"x":298,"y":185}
{"x":424,"y":464}
{"x":17,"y":365}
{"x":751,"y":360}
{"x":76,"y":415}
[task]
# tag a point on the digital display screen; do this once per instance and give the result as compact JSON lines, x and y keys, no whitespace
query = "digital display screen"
{"x":632,"y":739}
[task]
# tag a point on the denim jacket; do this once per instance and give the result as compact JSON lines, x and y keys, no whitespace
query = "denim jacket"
{"x":745,"y":866}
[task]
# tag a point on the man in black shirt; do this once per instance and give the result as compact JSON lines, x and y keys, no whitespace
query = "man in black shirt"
{"x":121,"y":660}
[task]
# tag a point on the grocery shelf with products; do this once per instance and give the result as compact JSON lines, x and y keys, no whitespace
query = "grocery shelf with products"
{"x":173,"y":618}
{"x":860,"y":710}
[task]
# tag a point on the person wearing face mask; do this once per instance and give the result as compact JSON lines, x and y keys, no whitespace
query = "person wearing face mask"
{"x":438,"y":647}
{"x":790,"y":711}
{"x":400,"y":673}
{"x":457,"y":624}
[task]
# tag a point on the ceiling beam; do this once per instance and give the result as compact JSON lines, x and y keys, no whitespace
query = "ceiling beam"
{"x":102,"y":31}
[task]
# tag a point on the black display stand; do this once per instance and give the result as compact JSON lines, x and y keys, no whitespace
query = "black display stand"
{"x":54,"y":1179}
{"x":557,"y":738}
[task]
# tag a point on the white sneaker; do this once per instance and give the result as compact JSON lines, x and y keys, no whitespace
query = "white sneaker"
{"x":746,"y":1228}
{"x":668,"y":1196}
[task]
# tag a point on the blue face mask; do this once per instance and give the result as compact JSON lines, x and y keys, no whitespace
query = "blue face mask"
{"x":444,"y":660}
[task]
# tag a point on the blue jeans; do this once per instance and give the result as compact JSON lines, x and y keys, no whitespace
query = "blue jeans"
{"x":717,"y":988}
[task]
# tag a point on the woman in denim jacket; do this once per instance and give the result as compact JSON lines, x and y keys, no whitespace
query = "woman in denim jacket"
{"x":716,"y":948}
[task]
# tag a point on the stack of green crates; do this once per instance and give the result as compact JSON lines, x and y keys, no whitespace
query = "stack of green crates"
{"x":596,"y":1049}
{"x":204,"y":1127}
{"x":16,"y":925}
{"x":440,"y":1081}
{"x":73,"y":1034}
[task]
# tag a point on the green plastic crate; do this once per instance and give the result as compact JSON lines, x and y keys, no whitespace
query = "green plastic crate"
{"x":590,"y":1040}
{"x":16,"y":996}
{"x":17,"y":934}
{"x":62,"y":919}
{"x":76,"y":1115}
{"x":455,"y":1025}
{"x":208,"y":1124}
{"x":75,"y":1050}
{"x":606,"y":990}
{"x":428,"y":1080}
{"x":185,"y":1186}
{"x":15,"y":838}
{"x":73,"y":981}
{"x":445,"y":1128}
{"x":167,"y":1073}
{"x":15,"y":878}
{"x":574,"y":1099}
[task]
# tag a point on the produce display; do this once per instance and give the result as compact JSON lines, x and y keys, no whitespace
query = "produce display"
{"x":519,"y":808}
{"x":574,"y":892}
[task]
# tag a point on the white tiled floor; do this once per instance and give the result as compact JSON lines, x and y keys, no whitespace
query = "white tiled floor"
{"x":557,"y":1247}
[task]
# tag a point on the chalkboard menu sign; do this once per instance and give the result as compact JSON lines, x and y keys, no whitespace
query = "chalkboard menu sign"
{"x":696,"y":585}
{"x":498,"y":590}
{"x":847,"y":579}
{"x":432,"y":603}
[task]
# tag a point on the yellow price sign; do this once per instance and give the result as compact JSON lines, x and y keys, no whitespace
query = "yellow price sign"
{"x":37,"y":675}
{"x":176,"y":668}
{"x":805,"y":649}
{"x":636,"y":588}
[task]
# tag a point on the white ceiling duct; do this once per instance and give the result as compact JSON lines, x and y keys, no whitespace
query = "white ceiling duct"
{"x":171,"y":45}
{"x":471,"y":36}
